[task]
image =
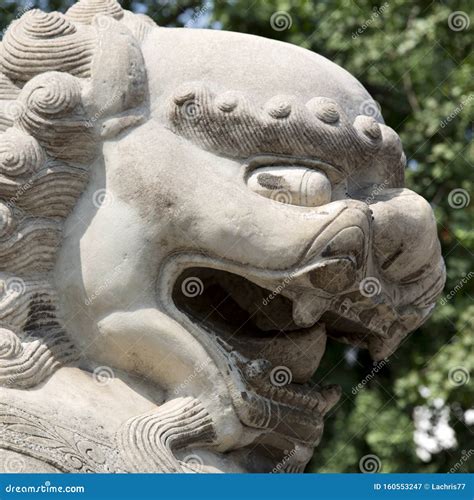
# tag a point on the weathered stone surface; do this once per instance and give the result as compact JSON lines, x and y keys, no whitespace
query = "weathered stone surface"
{"x":187,"y":218}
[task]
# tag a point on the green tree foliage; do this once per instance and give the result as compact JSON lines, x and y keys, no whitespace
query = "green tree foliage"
{"x":416,"y":60}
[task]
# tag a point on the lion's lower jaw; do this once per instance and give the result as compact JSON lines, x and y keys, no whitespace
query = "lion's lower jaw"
{"x":179,"y":437}
{"x":148,"y":442}
{"x":289,"y":416}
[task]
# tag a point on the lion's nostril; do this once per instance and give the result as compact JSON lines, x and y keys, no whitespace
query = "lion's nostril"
{"x":333,"y":276}
{"x":350,"y":242}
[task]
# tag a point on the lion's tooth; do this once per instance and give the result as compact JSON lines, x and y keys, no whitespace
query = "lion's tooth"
{"x":257,"y":368}
{"x":330,"y":395}
{"x":308,"y":309}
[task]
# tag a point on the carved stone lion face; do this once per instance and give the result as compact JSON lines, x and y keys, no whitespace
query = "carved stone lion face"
{"x":240,"y":211}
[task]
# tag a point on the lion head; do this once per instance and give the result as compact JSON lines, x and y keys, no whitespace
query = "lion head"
{"x":200,"y":210}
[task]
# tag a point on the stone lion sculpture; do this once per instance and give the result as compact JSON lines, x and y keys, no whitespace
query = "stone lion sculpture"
{"x":186,"y":217}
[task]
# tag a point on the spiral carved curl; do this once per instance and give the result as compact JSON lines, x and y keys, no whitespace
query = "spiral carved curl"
{"x":84,"y":11}
{"x":10,"y":345}
{"x":52,"y":94}
{"x":6,"y":221}
{"x":53,"y":113}
{"x":20,"y":153}
{"x":47,"y":141}
{"x":41,"y":42}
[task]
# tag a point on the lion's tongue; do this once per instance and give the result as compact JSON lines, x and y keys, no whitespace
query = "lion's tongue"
{"x":300,"y":351}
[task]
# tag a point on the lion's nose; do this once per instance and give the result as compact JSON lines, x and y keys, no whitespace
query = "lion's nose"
{"x":338,"y":254}
{"x":336,"y":274}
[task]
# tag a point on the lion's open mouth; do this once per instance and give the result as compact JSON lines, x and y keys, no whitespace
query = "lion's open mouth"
{"x":278,"y":357}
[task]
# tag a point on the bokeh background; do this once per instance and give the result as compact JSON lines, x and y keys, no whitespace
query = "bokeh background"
{"x":414,"y":412}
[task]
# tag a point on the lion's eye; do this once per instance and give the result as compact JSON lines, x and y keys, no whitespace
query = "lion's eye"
{"x":301,"y":186}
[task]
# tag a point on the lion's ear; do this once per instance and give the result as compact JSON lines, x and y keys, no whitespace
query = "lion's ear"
{"x":114,"y":126}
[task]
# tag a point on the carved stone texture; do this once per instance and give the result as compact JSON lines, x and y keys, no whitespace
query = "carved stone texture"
{"x":187,"y":218}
